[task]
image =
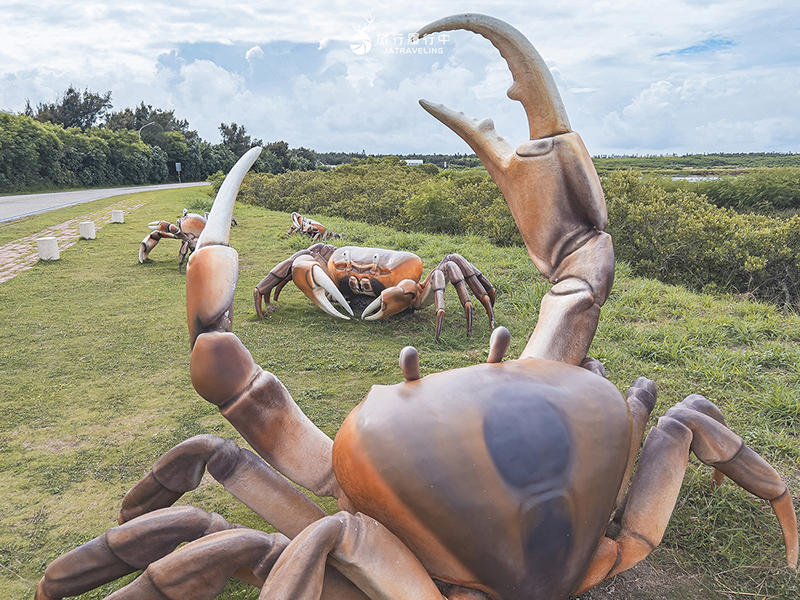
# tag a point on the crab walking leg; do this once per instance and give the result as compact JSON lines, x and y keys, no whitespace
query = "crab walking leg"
{"x":200,"y":569}
{"x":655,"y":486}
{"x":223,"y":371}
{"x":184,"y":250}
{"x":125,"y":549}
{"x":641,"y":398}
{"x":699,"y":403}
{"x":278,"y":276}
{"x":161,"y":229}
{"x":456,"y":277}
{"x":241,"y":472}
{"x":480,"y":286}
{"x":362,"y":549}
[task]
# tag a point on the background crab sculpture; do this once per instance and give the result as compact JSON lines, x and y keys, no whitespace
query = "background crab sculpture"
{"x":313,"y":229}
{"x":391,"y":277}
{"x":187,"y":229}
{"x":491,"y":481}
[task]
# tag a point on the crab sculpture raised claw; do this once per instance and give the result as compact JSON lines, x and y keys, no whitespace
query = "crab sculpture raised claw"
{"x":391,"y":277}
{"x":495,"y":481}
{"x":313,"y":229}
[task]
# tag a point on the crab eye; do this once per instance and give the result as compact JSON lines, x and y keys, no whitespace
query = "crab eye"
{"x":375,"y":258}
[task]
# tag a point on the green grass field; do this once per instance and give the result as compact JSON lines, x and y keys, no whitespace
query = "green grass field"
{"x":94,"y":385}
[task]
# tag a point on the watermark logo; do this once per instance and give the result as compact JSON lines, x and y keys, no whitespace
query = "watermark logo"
{"x":361,"y":42}
{"x":397,"y":43}
{"x":411,"y":43}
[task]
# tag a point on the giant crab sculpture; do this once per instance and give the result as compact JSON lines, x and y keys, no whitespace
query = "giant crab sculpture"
{"x":187,"y":229}
{"x":313,"y":229}
{"x":491,"y":481}
{"x":391,"y":277}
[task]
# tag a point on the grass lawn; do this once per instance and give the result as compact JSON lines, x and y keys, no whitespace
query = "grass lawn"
{"x":94,"y":385}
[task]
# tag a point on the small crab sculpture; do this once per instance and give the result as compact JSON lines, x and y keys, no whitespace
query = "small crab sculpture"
{"x":496,"y":481}
{"x":314,"y":229}
{"x":391,"y":277}
{"x":187,"y":228}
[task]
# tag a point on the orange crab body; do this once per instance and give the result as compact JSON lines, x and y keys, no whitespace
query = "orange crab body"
{"x":358,"y":271}
{"x":535,"y":453}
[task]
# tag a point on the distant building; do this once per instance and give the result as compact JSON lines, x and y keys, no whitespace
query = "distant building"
{"x":413,"y":162}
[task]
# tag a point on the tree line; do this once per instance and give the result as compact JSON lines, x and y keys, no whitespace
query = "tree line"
{"x":79,"y":141}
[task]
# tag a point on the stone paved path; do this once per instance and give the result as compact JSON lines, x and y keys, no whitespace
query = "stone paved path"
{"x":22,"y":254}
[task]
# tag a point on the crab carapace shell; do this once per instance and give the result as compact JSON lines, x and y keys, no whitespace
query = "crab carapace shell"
{"x":369,"y":271}
{"x":192,"y":224}
{"x":497,"y":476}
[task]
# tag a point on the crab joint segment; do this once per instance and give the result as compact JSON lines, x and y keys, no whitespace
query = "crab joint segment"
{"x":259,"y":406}
{"x":362,"y":549}
{"x":242,"y":473}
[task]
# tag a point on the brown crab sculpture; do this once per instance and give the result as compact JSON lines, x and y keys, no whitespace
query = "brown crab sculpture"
{"x":391,"y":277}
{"x":313,"y":229}
{"x":493,"y":481}
{"x":187,"y":229}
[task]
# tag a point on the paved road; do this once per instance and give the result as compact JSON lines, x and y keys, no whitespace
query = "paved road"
{"x":15,"y":207}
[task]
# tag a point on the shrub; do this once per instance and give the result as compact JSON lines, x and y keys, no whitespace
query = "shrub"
{"x":761,"y":189}
{"x":676,"y":236}
{"x":680,"y":237}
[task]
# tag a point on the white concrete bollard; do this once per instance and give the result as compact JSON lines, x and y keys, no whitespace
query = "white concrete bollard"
{"x":48,"y":248}
{"x":117,"y":216}
{"x":87,"y":230}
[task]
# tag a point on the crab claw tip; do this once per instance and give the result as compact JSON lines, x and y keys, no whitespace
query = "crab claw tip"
{"x":325,"y":283}
{"x":375,"y":305}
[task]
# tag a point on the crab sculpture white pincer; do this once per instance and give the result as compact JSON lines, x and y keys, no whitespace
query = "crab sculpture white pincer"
{"x":496,"y":481}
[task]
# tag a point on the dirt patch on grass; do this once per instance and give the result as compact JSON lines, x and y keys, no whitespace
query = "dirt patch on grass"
{"x":646,"y":582}
{"x":54,"y":446}
{"x":22,"y":254}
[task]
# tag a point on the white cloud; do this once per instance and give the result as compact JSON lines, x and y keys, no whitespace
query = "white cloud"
{"x":661,"y":76}
{"x":255,"y":53}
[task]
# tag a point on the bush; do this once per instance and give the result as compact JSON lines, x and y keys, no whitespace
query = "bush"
{"x":29,"y":153}
{"x":675,"y":236}
{"x":388,"y":192}
{"x":680,"y":237}
{"x":760,"y":190}
{"x":40,"y":156}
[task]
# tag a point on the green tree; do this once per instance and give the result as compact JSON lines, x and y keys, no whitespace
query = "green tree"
{"x":29,"y":153}
{"x":73,"y":109}
{"x":235,"y":138}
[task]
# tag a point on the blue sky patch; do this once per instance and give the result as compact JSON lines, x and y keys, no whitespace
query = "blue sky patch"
{"x":709,"y":45}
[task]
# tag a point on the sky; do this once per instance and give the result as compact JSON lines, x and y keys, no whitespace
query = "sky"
{"x":636,"y":76}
